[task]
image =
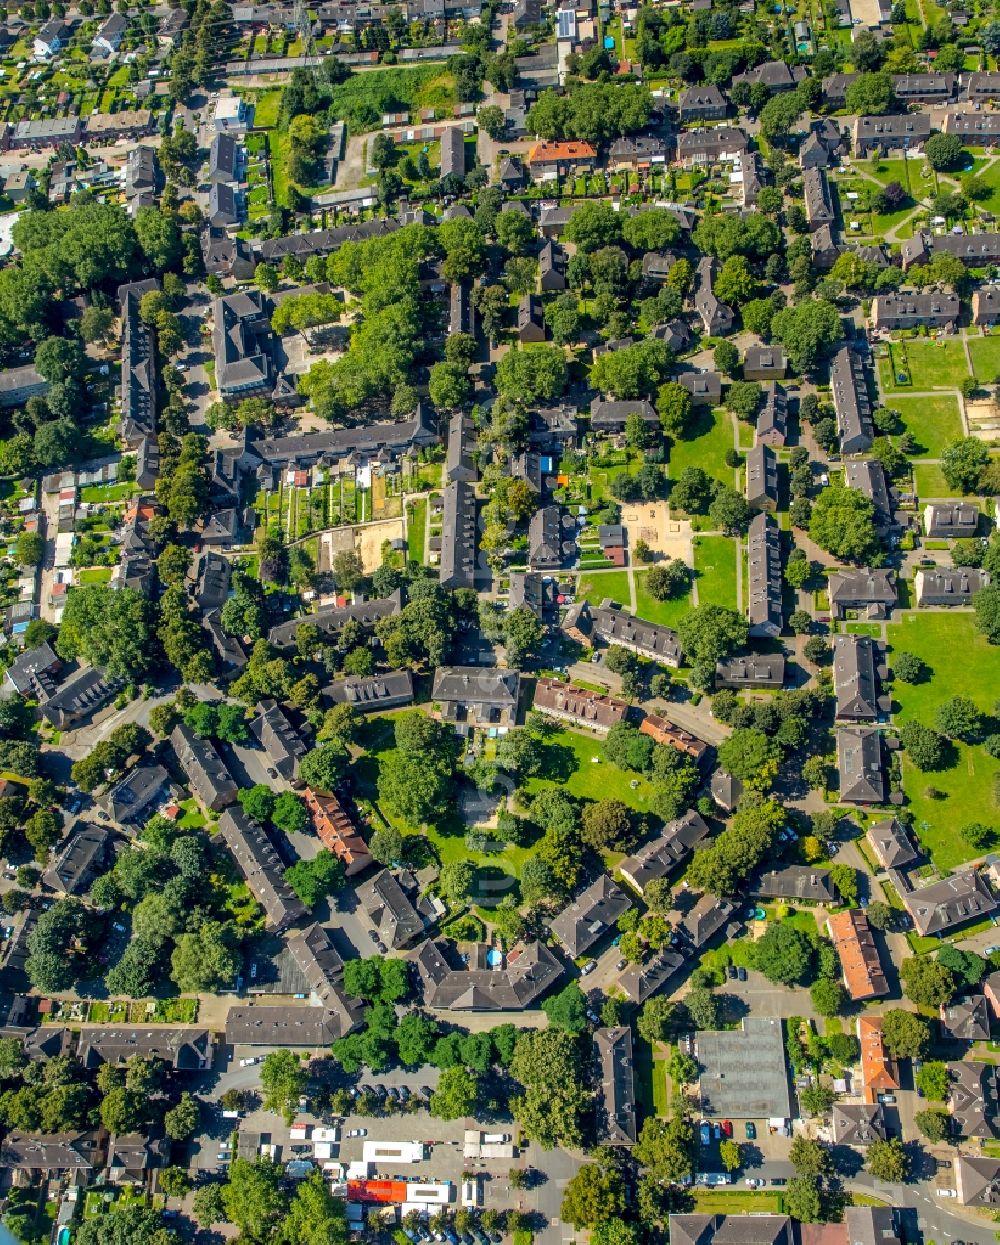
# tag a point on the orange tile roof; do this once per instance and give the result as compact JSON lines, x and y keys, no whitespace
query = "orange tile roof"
{"x":859,"y":958}
{"x":545,"y":152}
{"x":336,"y":831}
{"x":879,"y":1072}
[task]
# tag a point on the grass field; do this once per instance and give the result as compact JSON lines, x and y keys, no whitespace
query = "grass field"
{"x":416,"y":529}
{"x":568,"y":759}
{"x":961,"y":664}
{"x":715,"y":569}
{"x":736,"y":1202}
{"x":266,"y":106}
{"x":985,"y":352}
{"x":931,"y":483}
{"x":667,"y":613}
{"x":596,"y":586}
{"x":930,"y":364}
{"x":707,"y":448}
{"x":364,"y":97}
{"x":934,"y":422}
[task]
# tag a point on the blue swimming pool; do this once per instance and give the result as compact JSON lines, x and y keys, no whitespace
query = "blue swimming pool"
{"x":494,"y":958}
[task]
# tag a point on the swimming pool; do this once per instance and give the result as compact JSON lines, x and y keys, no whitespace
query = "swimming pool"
{"x":494,"y":959}
{"x":63,"y":1237}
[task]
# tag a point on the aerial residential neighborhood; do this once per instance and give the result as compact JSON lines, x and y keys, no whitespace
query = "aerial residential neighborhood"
{"x":500,"y":647}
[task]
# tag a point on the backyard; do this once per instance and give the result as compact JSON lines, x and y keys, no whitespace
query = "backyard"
{"x":939,"y":364}
{"x":933,"y":422}
{"x":667,"y":613}
{"x":961,"y":663}
{"x":575,"y":763}
{"x":707,"y":448}
{"x":985,"y":352}
{"x":715,"y":571}
{"x":597,"y":586}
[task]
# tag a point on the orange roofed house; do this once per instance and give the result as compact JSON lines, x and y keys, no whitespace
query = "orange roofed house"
{"x":669,"y":733}
{"x":337,"y":832}
{"x":547,"y":160}
{"x":879,"y":1072}
{"x":853,"y":941}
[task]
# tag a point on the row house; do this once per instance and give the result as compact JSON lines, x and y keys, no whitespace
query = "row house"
{"x":975,"y":250}
{"x":851,"y":403}
{"x":979,"y":129}
{"x":937,"y":310}
{"x":765,"y":582}
{"x":721,"y":144}
{"x":897,"y":132}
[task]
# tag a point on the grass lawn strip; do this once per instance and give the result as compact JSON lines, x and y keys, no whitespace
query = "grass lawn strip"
{"x":961,"y":663}
{"x":715,"y":571}
{"x":598,"y":586}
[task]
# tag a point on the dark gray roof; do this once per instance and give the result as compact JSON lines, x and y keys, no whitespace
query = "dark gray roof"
{"x":891,"y":844}
{"x":762,"y":477}
{"x":372,"y":692}
{"x":974,"y":1098}
{"x":765,"y":582}
{"x":663,"y":854}
{"x":949,"y":903}
{"x":867,"y":475}
{"x":855,"y":677}
{"x":83,"y":693}
{"x":241,"y":364}
{"x":858,"y":1124}
{"x":293,"y":1025}
{"x":204,"y":768}
{"x":23,"y":673}
{"x":184,"y":1049}
{"x":279,"y":739}
{"x":863,"y":587}
{"x":393,"y":913}
{"x":794,"y":882}
{"x":80,"y":858}
{"x":261,"y":868}
{"x":640,"y":982}
{"x":322,"y":241}
{"x":614,"y":626}
{"x":851,"y":403}
{"x":372,"y":438}
{"x":743,"y":1071}
{"x":458,"y":536}
{"x":479,"y":685}
{"x":966,"y":1020}
{"x":528,"y":972}
{"x":731,"y":1230}
{"x":594,"y":911}
{"x":50,"y":1152}
{"x":859,"y":762}
{"x":132,"y":799}
{"x":332,"y":619}
{"x":319,"y":963}
{"x":139,"y":373}
{"x":751,"y":670}
{"x":978,"y":1180}
{"x":616,"y":1116}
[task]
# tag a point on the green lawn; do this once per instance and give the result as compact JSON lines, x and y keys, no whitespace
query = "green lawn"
{"x":930,"y":364}
{"x":569,"y":762}
{"x":961,"y":664}
{"x":934,"y":422}
{"x":94,"y":575}
{"x":266,"y":104}
{"x":931,"y":483}
{"x":97,"y":493}
{"x":991,"y":177}
{"x":713,"y":437}
{"x":667,"y":613}
{"x":597,"y":586}
{"x":985,"y":353}
{"x":416,"y":529}
{"x":736,"y":1202}
{"x":715,"y":568}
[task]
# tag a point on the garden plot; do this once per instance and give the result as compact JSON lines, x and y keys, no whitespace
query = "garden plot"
{"x":367,"y":541}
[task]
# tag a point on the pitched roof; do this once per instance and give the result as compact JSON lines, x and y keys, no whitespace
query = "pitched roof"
{"x":617,"y":1123}
{"x":949,"y":903}
{"x":860,"y":961}
{"x":261,"y":868}
{"x":581,"y":923}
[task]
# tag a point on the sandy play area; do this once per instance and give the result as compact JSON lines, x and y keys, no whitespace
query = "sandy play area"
{"x":984,"y":419}
{"x":650,"y":521}
{"x":367,"y":540}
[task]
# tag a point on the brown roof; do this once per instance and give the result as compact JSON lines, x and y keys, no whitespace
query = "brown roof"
{"x":543,"y":152}
{"x":592,"y":708}
{"x":859,"y":958}
{"x":666,"y":732}
{"x":336,"y":831}
{"x":879,"y":1072}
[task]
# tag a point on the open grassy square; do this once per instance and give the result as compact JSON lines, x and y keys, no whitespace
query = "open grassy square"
{"x":931,"y":483}
{"x":933,"y":422}
{"x":667,"y":613}
{"x":706,"y":448}
{"x":930,"y":365}
{"x":598,"y":586}
{"x":715,"y":571}
{"x":961,"y":663}
{"x":985,"y":353}
{"x":575,"y":763}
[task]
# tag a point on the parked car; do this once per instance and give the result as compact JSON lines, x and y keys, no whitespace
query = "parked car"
{"x":358,"y":1132}
{"x":779,"y":1182}
{"x":727,"y":1128}
{"x":750,"y":1128}
{"x":946,"y":1193}
{"x":301,"y":1149}
{"x":588,"y":968}
{"x":754,"y":1182}
{"x":943,"y":1165}
{"x":620,"y":965}
{"x":742,"y":974}
{"x":717,"y":1131}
